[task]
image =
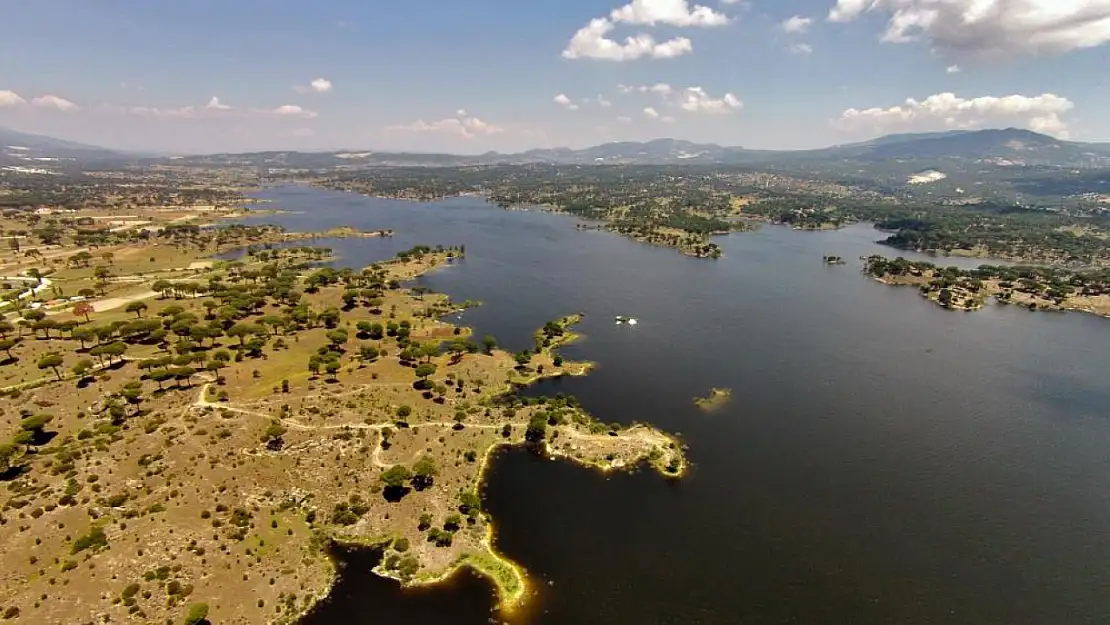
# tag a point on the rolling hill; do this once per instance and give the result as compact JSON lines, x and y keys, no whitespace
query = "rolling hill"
{"x":999,"y":147}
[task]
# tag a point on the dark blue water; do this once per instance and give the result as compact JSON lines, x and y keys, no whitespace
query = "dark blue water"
{"x":882,"y":461}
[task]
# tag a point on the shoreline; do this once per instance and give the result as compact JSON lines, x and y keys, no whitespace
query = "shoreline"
{"x":509,"y":580}
{"x":971,"y":290}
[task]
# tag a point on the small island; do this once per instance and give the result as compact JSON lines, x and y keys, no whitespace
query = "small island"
{"x":716,"y":399}
{"x":340,"y":232}
{"x":1036,"y":288}
{"x":832,"y":260}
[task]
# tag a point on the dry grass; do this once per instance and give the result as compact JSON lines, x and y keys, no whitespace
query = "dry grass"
{"x":191,"y":498}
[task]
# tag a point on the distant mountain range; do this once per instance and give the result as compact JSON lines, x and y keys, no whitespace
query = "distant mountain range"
{"x":1005,"y":147}
{"x":20,"y":148}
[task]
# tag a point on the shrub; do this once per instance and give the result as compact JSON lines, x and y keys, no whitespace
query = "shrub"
{"x":95,"y":539}
{"x":197,"y":613}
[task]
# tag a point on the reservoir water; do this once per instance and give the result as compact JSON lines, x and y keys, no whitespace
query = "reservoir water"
{"x":882,"y":460}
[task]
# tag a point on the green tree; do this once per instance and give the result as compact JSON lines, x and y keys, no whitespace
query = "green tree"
{"x":197,"y":614}
{"x":469,"y":503}
{"x":489,"y":343}
{"x":162,"y":287}
{"x":45,"y":325}
{"x":137,"y":308}
{"x":183,"y":373}
{"x":329,"y":317}
{"x":241,"y":331}
{"x":51,"y":360}
{"x":82,"y":368}
{"x":273,"y":321}
{"x":132,"y":392}
{"x":214,"y":367}
{"x":36,"y":424}
{"x":115,"y":349}
{"x":159,"y":376}
{"x":428,"y":350}
{"x":337,"y":337}
{"x":9,"y":454}
{"x":537,"y":428}
{"x":396,"y":476}
{"x":424,"y":370}
{"x":424,"y":472}
{"x":368,"y":353}
{"x":8,"y":344}
{"x":84,"y":335}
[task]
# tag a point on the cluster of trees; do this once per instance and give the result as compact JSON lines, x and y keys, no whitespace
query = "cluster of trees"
{"x":398,"y":478}
{"x":995,"y":227}
{"x":1052,"y":283}
{"x":32,"y":433}
{"x":419,"y":251}
{"x":644,"y":199}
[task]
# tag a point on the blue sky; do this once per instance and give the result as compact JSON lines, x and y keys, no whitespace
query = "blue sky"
{"x":470,"y":76}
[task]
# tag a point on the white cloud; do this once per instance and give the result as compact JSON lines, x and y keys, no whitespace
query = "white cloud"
{"x":154,"y":111}
{"x":624,"y":119}
{"x":292,"y":110}
{"x":651,"y":113}
{"x":319,"y":85}
{"x":690,"y":99}
{"x":661,"y":88}
{"x":563,"y":101}
{"x":946,"y":110}
{"x":213,"y":108}
{"x":670,"y":12}
{"x":953,"y":69}
{"x":847,"y":10}
{"x":796,"y":25}
{"x":988,"y":28}
{"x":462,"y":124}
{"x":667,"y":119}
{"x":591,"y":42}
{"x":800,"y":48}
{"x":696,"y":100}
{"x":55,"y":103}
{"x":11,"y":98}
{"x":303,"y":132}
{"x":603,"y":103}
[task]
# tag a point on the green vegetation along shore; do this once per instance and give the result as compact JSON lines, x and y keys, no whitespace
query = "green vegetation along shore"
{"x":1036,"y":288}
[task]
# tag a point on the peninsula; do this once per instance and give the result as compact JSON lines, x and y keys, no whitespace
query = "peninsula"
{"x":194,"y":447}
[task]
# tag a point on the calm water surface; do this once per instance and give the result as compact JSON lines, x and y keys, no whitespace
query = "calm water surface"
{"x":882,"y":461}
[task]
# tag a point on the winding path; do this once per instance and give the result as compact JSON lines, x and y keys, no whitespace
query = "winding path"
{"x":202,"y":402}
